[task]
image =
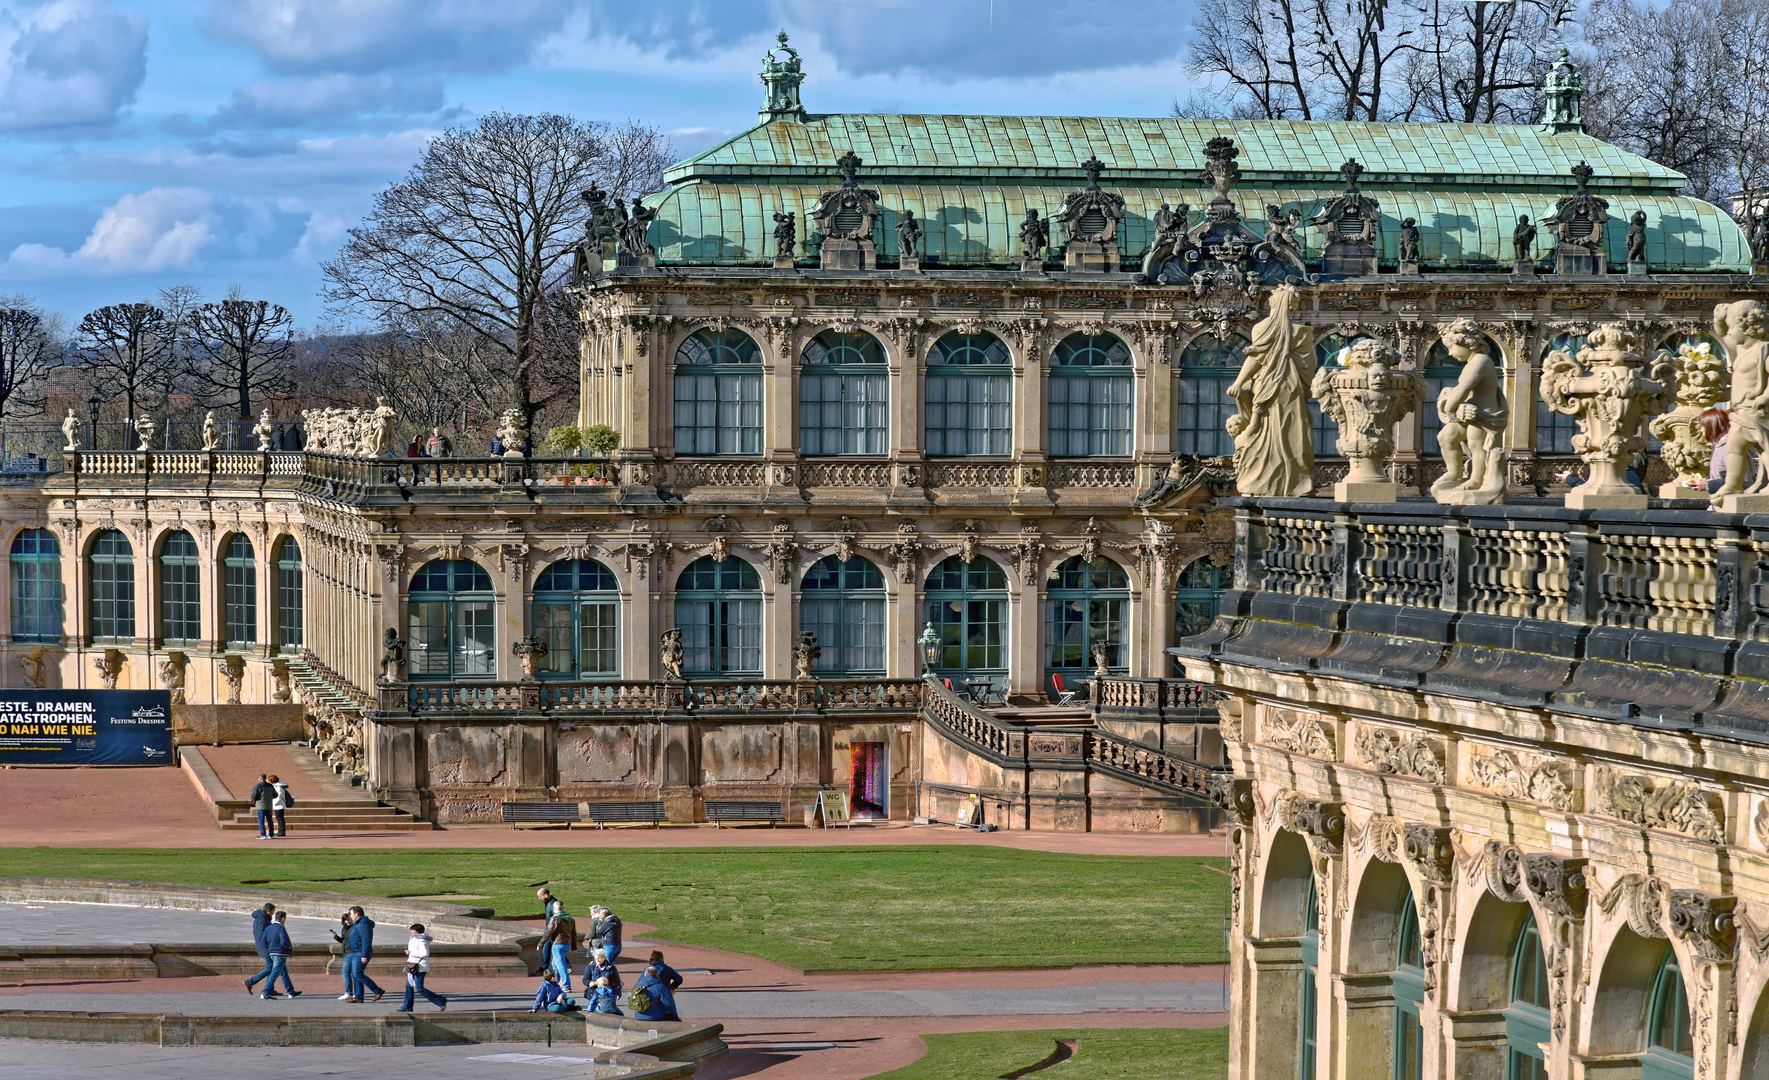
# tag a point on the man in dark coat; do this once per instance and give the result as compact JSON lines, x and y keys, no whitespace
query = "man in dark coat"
{"x":359,"y":950}
{"x":261,"y":798}
{"x":261,"y":920}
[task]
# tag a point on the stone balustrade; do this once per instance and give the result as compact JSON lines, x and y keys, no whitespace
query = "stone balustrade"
{"x":762,"y":696}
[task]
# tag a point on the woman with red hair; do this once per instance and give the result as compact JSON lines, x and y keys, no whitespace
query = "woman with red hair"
{"x":1715,"y":424}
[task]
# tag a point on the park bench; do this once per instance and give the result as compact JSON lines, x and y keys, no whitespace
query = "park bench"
{"x":719,"y":812}
{"x":622,"y":813}
{"x":539,"y":813}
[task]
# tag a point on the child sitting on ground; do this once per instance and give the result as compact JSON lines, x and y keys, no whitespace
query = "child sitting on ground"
{"x":549,"y":998}
{"x":604,"y":998}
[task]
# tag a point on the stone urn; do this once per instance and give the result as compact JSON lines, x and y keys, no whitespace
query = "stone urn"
{"x":1366,"y":398}
{"x":530,"y":651}
{"x":1605,"y":392}
{"x":1701,"y":385}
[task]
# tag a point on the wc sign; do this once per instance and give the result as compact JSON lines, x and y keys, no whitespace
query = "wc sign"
{"x":86,"y":727}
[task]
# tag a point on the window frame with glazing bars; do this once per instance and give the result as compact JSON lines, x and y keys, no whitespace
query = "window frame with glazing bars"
{"x":239,"y":593}
{"x":121,"y":582}
{"x":853,"y":365}
{"x":181,"y":589}
{"x":1408,"y":985}
{"x":1081,"y":366}
{"x":975,"y":362}
{"x":39,"y":601}
{"x":1203,"y":377}
{"x":593,"y":589}
{"x":982,"y":607}
{"x":452,"y":600}
{"x":857,"y":600}
{"x":729,"y":363}
{"x":1526,"y":1014}
{"x":1102,"y":606}
{"x":726,"y":618}
{"x":290,"y":635}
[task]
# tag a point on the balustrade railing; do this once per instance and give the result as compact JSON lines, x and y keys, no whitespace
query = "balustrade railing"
{"x":1093,"y":475}
{"x":1114,"y":754}
{"x":734,"y":695}
{"x":970,"y":474}
{"x":958,"y":717}
{"x":1121,"y":692}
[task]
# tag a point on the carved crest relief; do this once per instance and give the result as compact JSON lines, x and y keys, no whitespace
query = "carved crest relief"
{"x":1300,"y":733}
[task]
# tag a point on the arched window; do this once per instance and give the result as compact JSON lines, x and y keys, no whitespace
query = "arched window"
{"x":1307,"y":1046}
{"x":969,"y":397}
{"x":719,"y":608}
{"x":843,"y":603}
{"x":718,"y":393}
{"x":181,"y":601}
{"x":289,"y":617}
{"x":1085,"y":603}
{"x":1526,"y":1018}
{"x":577,"y":615}
{"x":1206,"y":367}
{"x":1409,"y":991}
{"x":1676,"y":341}
{"x":36,"y":586}
{"x":844,"y":396}
{"x":1197,"y":598}
{"x":1090,"y":392}
{"x":1670,"y":1049}
{"x":1441,"y":371}
{"x":450,"y":619}
{"x":967,"y":607}
{"x":111,"y":567}
{"x":240,"y":585}
{"x":1554,"y":431}
{"x":1326,"y":432}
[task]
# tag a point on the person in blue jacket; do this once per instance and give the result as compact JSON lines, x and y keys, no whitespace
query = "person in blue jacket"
{"x":260,"y":922}
{"x":280,"y":947}
{"x":663,"y":1003}
{"x":549,"y":998}
{"x":359,"y":949}
{"x":605,"y":998}
{"x":668,"y":974}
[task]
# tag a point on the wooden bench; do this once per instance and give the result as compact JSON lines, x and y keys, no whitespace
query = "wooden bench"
{"x":539,"y":813}
{"x":622,"y":813}
{"x":719,"y":812}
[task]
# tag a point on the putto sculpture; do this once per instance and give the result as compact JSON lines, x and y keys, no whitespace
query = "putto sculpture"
{"x":1604,"y":391}
{"x":1409,"y":246}
{"x":343,"y":432}
{"x":1366,"y":397}
{"x":1273,"y":433}
{"x":670,"y":652}
{"x":1635,"y":243}
{"x":1169,"y":241}
{"x":1473,"y":412}
{"x":1034,"y":238}
{"x":1523,"y":246}
{"x":1701,"y":384}
{"x":908,"y":241}
{"x":1743,"y":328}
{"x":786,"y":227}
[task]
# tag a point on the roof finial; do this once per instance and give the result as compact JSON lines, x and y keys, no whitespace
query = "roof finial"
{"x":1561,"y":90}
{"x":849,"y":164}
{"x":782,"y":77}
{"x":1093,"y":167}
{"x":1351,"y":170}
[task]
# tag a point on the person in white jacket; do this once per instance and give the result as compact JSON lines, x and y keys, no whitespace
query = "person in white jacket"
{"x":280,"y":801}
{"x":417,"y":965}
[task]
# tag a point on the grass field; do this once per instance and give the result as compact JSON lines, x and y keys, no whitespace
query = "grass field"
{"x":814,"y":909}
{"x":1099,"y":1054}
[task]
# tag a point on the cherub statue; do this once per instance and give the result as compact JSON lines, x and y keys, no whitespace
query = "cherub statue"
{"x":671,"y":652}
{"x":1169,"y":241}
{"x":1635,"y":243}
{"x":1280,"y":235}
{"x":1743,"y":327}
{"x":908,"y":235}
{"x":785,"y":234}
{"x":1409,"y":240}
{"x":1523,"y":240}
{"x":1605,"y":392}
{"x":392,"y":656}
{"x":1034,"y":235}
{"x":1473,"y":412}
{"x":632,"y":232}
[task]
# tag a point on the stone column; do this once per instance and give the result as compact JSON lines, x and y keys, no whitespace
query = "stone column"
{"x":512,"y":612}
{"x":778,"y":604}
{"x":1025,"y":637}
{"x":1029,"y":396}
{"x":907,"y":442}
{"x":1156,"y":625}
{"x":903,"y":623}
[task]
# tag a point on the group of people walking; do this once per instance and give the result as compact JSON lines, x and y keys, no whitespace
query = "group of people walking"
{"x":653,"y":994}
{"x":271,"y":938}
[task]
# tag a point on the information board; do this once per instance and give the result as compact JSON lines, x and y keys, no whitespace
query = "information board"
{"x":835,"y":807}
{"x":86,"y":727}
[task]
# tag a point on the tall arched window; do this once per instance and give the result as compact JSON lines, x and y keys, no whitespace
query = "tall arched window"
{"x":1441,"y":371}
{"x":1326,"y":432}
{"x":844,"y":396}
{"x":718,"y":393}
{"x":1085,"y":602}
{"x":111,"y":568}
{"x":1307,"y":1046}
{"x":967,"y":607}
{"x":843,"y":603}
{"x":1090,"y":392}
{"x":36,"y":586}
{"x":240,"y":595}
{"x":1554,"y":431}
{"x":1670,"y":1048}
{"x":1206,"y":367}
{"x":1197,"y":598}
{"x":577,"y":615}
{"x":969,"y":390}
{"x":289,"y":616}
{"x":1409,"y":991}
{"x":181,"y":601}
{"x":1526,"y":1018}
{"x":451,"y":633}
{"x":719,"y":608}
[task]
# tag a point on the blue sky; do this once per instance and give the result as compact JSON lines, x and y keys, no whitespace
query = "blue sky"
{"x":145,"y":143}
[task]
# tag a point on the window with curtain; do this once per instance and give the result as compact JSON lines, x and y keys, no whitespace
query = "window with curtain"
{"x":1554,"y":431}
{"x":1670,"y":1047}
{"x":450,"y":614}
{"x":240,"y":596}
{"x":1197,"y":596}
{"x":111,"y":570}
{"x":181,"y":607}
{"x":289,"y":614}
{"x":1090,"y":397}
{"x":718,"y":393}
{"x":1307,"y":1046}
{"x":719,"y":608}
{"x":1526,"y":1017}
{"x":1206,"y":368}
{"x":36,"y":586}
{"x":1085,"y":602}
{"x":1409,"y":990}
{"x":844,"y":396}
{"x":577,"y":614}
{"x":843,"y":603}
{"x":967,"y":607}
{"x":969,"y":394}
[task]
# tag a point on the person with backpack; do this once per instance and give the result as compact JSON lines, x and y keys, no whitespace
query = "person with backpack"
{"x":651,"y":998}
{"x":669,"y":975}
{"x":280,"y":947}
{"x":557,"y":941}
{"x":263,"y":795}
{"x":417,"y":965}
{"x":281,"y":799}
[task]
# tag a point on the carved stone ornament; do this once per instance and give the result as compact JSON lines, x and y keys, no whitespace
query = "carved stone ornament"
{"x":233,"y":673}
{"x":1558,"y":883}
{"x":1500,"y":866}
{"x":1324,"y":821}
{"x":1473,"y":412}
{"x":1272,"y":428}
{"x":782,"y":72}
{"x":110,"y":667}
{"x":172,"y":675}
{"x":671,"y":652}
{"x":1506,"y":776}
{"x":1706,"y":922}
{"x":1660,"y":803}
{"x":783,"y":552}
{"x":1605,"y":393}
{"x":1234,"y":797}
{"x":1366,"y":397}
{"x":1299,"y":733}
{"x":1642,"y":900}
{"x":1227,"y":264}
{"x":529,"y":651}
{"x":1387,"y":752}
{"x":904,"y":556}
{"x":1090,"y":216}
{"x":392,"y":656}
{"x":805,"y":655}
{"x":845,"y":217}
{"x":1382,"y":836}
{"x":1351,"y":219}
{"x":1578,"y":222}
{"x":1429,"y":849}
{"x":1701,"y":384}
{"x":31,"y":664}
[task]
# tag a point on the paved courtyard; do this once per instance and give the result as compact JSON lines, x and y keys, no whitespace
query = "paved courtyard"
{"x":117,"y":924}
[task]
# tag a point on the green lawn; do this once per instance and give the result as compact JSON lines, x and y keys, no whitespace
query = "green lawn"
{"x":1100,"y":1054}
{"x":815,"y":909}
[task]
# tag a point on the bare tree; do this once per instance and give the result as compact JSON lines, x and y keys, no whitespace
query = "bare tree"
{"x":482,"y":229}
{"x":28,"y":350}
{"x":1483,"y":62}
{"x":240,"y":350}
{"x":126,"y":350}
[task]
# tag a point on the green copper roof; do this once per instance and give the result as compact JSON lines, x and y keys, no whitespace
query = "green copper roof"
{"x":1135,"y":150}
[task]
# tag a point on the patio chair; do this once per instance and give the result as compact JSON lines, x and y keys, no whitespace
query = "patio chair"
{"x":1065,"y":696}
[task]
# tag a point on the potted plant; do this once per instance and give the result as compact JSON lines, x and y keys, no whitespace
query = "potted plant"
{"x":564,"y":441}
{"x":600,"y":440}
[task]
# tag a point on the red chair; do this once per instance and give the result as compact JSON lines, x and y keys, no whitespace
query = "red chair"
{"x":1065,"y":696}
{"x":948,"y":683}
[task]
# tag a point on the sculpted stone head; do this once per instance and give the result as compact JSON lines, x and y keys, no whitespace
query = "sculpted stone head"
{"x":1741,"y":320}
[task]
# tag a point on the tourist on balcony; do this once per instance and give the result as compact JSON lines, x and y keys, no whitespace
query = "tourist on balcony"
{"x":497,"y":445}
{"x":549,"y":998}
{"x":262,"y":797}
{"x":652,"y":999}
{"x":279,"y":948}
{"x":1716,"y":425}
{"x":417,"y":965}
{"x":600,"y":967}
{"x":439,"y":445}
{"x":605,"y":931}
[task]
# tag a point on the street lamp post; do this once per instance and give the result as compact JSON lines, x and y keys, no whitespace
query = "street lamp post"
{"x":930,"y":648}
{"x":92,"y":404}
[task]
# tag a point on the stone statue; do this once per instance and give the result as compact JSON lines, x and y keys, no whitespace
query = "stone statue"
{"x":172,"y":675}
{"x":264,"y":429}
{"x":211,"y":431}
{"x":908,"y":236}
{"x":233,"y":673}
{"x":786,"y":229}
{"x":1604,"y":391}
{"x":513,"y":432}
{"x":144,"y":433}
{"x":530,"y":651}
{"x":1701,"y":384}
{"x":1273,"y":433}
{"x":70,"y":430}
{"x":1366,"y":398}
{"x":31,"y":664}
{"x":805,"y":655}
{"x":1743,"y":327}
{"x":1409,"y":241}
{"x":1635,"y":243}
{"x":1523,"y":241}
{"x":1169,"y":240}
{"x":110,"y":667}
{"x":633,"y":229}
{"x":1101,"y":667}
{"x":1473,"y":413}
{"x":1759,"y":239}
{"x":1280,"y":236}
{"x":281,"y":684}
{"x":1034,"y":235}
{"x":380,"y":428}
{"x":671,"y":653}
{"x":392,"y":656}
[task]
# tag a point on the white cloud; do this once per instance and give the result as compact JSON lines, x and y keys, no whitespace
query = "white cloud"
{"x":294,"y":102}
{"x":324,"y":231}
{"x":159,"y":229}
{"x":69,"y":62}
{"x":385,"y":35}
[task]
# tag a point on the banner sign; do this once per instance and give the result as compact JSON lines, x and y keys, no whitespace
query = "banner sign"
{"x":86,"y":727}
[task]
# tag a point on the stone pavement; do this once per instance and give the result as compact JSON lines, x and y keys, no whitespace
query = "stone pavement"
{"x":118,"y":924}
{"x":23,"y":1060}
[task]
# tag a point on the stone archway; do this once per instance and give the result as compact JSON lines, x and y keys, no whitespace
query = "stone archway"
{"x":1275,"y":985}
{"x":1623,"y":994}
{"x":1481,"y":981}
{"x":1372,"y":938}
